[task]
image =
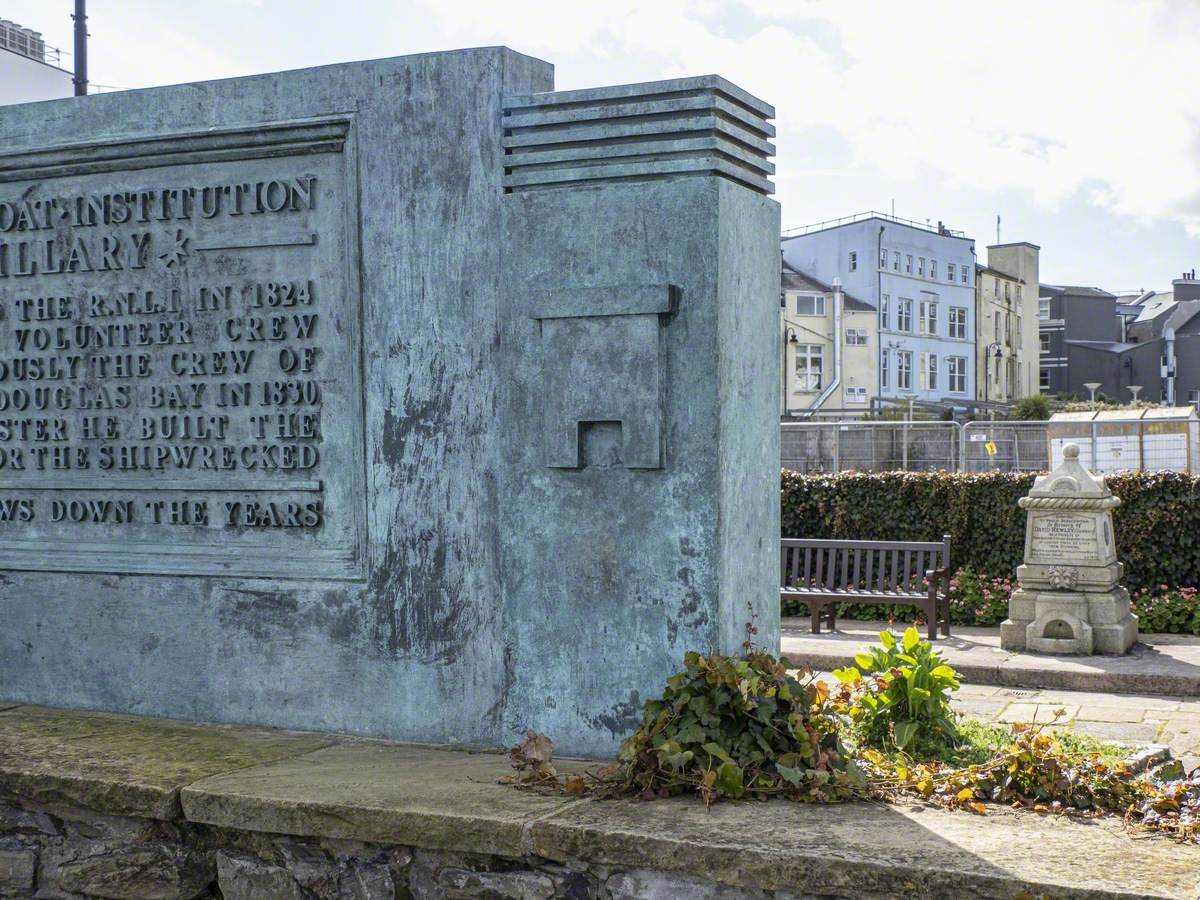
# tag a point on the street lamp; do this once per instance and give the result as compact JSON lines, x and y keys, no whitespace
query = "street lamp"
{"x":789,"y":337}
{"x":987,"y":356}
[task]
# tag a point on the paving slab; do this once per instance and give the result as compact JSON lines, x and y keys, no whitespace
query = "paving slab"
{"x":1110,"y":714}
{"x":378,"y":792}
{"x":869,"y":850}
{"x":1160,"y":664}
{"x":127,"y":765}
{"x":1126,"y":733}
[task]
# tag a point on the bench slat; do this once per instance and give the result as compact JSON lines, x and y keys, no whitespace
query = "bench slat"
{"x":845,"y":568}
{"x":870,"y":567}
{"x":867,"y":545}
{"x":853,"y":596}
{"x":808,"y":552}
{"x":820,"y":566}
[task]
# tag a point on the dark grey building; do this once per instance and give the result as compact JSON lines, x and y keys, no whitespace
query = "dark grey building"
{"x":1151,"y":340}
{"x":1066,"y":314}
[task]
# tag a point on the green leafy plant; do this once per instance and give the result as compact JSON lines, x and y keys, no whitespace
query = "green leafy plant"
{"x":736,"y":727}
{"x":899,"y":694}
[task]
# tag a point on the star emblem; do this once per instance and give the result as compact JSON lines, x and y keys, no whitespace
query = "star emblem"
{"x":176,"y":255}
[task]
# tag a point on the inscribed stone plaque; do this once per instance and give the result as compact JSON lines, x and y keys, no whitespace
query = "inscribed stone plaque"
{"x":1063,"y":538}
{"x":180,"y":384}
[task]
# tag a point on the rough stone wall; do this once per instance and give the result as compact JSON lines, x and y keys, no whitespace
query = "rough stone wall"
{"x":66,"y":853}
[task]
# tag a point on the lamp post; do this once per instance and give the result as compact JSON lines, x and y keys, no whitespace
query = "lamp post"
{"x":789,"y":337}
{"x":987,"y":357}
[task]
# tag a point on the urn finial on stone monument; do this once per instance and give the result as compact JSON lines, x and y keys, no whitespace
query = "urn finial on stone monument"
{"x":1069,"y":600}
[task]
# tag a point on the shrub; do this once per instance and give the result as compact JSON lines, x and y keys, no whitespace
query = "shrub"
{"x":1176,"y":611}
{"x":736,"y":727}
{"x":1157,"y":524}
{"x":1032,"y":408}
{"x":979,"y":599}
{"x":900,"y":693}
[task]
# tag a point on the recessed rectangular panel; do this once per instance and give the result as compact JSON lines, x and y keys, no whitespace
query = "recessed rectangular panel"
{"x":180,"y":367}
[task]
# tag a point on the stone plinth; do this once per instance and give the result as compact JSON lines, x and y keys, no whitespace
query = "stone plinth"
{"x":1069,"y":600}
{"x":383,"y":397}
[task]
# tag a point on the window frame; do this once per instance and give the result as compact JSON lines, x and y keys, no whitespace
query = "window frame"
{"x":928,"y":317}
{"x":904,"y":313}
{"x":804,"y":353}
{"x":904,"y":366}
{"x":885,"y":312}
{"x":962,"y":323}
{"x":818,"y":301}
{"x":931,"y":372}
{"x":852,"y":261}
{"x":1043,"y":306}
{"x":956,"y":372}
{"x":857,"y":333}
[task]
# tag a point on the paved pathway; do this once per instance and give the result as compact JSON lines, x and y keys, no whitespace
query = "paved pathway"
{"x":1158,"y":664}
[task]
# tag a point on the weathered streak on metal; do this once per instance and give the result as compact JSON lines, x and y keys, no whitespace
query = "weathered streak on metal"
{"x":553,"y":457}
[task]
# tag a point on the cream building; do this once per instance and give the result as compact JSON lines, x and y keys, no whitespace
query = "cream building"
{"x":828,"y":343}
{"x":1006,"y":323}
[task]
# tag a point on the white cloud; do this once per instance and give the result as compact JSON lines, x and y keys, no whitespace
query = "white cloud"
{"x":1046,"y":98}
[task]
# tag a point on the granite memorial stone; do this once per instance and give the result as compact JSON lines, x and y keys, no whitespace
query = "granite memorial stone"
{"x":1070,"y":599}
{"x":406,"y":398}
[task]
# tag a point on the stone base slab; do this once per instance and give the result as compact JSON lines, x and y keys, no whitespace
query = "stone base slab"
{"x":336,"y":817}
{"x":1069,"y":622}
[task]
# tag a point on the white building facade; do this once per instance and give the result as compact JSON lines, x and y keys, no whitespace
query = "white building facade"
{"x":27,"y":72}
{"x":921,"y":282}
{"x":828,"y":343}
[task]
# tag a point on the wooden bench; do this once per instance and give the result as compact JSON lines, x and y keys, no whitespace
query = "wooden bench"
{"x":824,"y":573}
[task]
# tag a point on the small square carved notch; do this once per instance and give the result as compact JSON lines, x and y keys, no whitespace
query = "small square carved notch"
{"x":603,"y":369}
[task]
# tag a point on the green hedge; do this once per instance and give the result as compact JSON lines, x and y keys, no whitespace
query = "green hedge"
{"x":1157,"y":524}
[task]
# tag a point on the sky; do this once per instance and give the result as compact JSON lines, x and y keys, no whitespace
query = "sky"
{"x":1075,"y":121}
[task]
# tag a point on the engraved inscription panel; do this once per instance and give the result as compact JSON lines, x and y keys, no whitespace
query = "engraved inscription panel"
{"x":180,"y":376}
{"x":1063,"y":538}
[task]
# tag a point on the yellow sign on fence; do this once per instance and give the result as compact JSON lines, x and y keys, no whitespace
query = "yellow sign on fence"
{"x":990,"y":446}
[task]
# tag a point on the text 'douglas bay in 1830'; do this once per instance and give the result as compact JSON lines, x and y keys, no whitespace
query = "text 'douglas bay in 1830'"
{"x":180,"y":373}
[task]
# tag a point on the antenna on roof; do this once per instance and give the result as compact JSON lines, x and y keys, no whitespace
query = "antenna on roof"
{"x":997,"y":228}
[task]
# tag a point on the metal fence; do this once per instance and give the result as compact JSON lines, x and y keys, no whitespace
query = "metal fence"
{"x":986,"y":446}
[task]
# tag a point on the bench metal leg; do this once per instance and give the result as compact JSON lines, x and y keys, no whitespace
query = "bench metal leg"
{"x":831,"y":618}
